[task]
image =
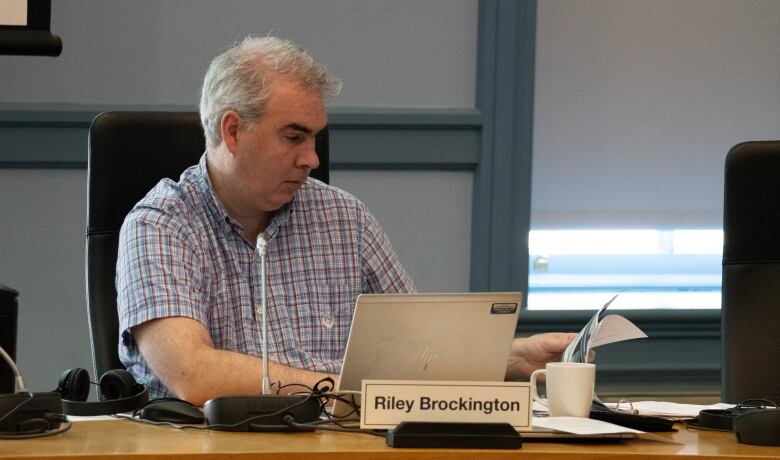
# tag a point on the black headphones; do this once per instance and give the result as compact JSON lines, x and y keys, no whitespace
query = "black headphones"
{"x":119,"y":392}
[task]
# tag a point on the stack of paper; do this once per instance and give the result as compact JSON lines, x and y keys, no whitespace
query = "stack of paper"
{"x":600,"y":330}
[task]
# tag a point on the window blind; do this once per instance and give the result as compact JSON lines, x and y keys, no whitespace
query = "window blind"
{"x":637,"y":103}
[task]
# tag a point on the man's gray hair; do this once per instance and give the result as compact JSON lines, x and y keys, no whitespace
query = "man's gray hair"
{"x":240,"y":79}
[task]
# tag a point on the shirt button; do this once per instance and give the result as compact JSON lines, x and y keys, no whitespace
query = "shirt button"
{"x":327,"y":322}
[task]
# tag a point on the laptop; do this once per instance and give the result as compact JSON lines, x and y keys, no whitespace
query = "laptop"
{"x":428,"y":337}
{"x":436,"y":337}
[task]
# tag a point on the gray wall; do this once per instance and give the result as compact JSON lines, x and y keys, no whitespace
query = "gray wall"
{"x":43,"y":216}
{"x":432,"y":236}
{"x":405,"y":54}
{"x":641,"y":100}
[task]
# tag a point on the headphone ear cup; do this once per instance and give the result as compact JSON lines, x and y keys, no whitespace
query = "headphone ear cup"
{"x":74,"y":384}
{"x":117,"y":384}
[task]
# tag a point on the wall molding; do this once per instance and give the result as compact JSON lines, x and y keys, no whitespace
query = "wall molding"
{"x":683,"y":350}
{"x":501,"y":214}
{"x":54,"y":136}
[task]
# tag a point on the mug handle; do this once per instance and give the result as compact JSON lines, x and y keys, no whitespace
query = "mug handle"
{"x":534,"y":391}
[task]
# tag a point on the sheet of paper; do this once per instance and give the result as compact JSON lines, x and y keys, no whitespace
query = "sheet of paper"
{"x":536,"y":406}
{"x":615,"y":328}
{"x":579,"y":425}
{"x":669,"y":409}
{"x":578,"y":349}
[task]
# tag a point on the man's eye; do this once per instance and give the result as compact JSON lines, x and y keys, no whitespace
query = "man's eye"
{"x":294,"y":138}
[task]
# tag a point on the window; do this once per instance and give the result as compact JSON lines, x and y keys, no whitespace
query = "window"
{"x":650,"y":269}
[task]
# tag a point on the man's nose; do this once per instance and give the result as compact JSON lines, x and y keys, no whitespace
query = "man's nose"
{"x":309,"y":158}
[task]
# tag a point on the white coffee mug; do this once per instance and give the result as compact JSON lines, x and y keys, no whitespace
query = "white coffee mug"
{"x":569,"y":388}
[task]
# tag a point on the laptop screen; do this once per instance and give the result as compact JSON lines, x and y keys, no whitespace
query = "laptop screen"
{"x":430,"y":337}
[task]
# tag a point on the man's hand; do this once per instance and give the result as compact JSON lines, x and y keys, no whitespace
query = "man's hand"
{"x":531,"y":353}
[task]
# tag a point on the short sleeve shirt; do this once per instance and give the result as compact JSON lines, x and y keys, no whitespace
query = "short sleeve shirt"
{"x":181,"y":254}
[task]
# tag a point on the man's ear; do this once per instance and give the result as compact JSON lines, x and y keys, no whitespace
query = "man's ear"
{"x":229,"y":126}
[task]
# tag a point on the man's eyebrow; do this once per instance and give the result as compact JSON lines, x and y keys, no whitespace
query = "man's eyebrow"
{"x":297,"y":127}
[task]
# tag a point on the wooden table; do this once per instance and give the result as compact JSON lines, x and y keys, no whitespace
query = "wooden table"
{"x":103,"y":439}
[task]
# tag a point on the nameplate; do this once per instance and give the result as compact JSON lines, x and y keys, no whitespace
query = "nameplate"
{"x":386,"y":403}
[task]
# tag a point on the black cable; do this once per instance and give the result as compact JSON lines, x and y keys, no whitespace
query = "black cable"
{"x":318,"y":391}
{"x":22,"y":403}
{"x":290,"y":421}
{"x":179,"y":426}
{"x":346,"y":424}
{"x":349,"y":402}
{"x":215,"y":426}
{"x":693,"y":424}
{"x":24,"y":435}
{"x":308,"y":388}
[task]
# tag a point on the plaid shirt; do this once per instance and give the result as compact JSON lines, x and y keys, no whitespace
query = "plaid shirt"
{"x":181,"y":254}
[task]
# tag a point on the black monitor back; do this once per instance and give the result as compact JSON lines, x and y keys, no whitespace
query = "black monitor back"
{"x":750,"y":312}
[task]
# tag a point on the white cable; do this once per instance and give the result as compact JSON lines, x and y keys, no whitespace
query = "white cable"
{"x":20,"y":386}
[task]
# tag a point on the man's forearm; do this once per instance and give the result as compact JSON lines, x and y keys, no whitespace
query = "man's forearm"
{"x":221,"y":372}
{"x":181,"y":354}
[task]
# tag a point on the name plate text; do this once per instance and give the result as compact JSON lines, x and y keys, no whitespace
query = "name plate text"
{"x":386,"y":403}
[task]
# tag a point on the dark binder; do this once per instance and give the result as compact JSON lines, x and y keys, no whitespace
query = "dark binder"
{"x":639,"y":422}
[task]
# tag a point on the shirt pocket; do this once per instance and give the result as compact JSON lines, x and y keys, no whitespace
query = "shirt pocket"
{"x":321,"y":315}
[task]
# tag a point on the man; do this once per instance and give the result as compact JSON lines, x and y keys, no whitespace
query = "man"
{"x":188,"y":280}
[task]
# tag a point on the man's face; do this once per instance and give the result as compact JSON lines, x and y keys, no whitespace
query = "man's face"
{"x":275,"y":155}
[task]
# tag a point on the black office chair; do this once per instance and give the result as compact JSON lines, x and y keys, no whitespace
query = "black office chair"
{"x":129,"y":152}
{"x":750,"y":313}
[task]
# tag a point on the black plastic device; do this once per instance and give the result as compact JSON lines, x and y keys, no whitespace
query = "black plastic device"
{"x":723,"y":419}
{"x":750,"y":315}
{"x":24,"y":413}
{"x":639,"y":422}
{"x":9,"y":308}
{"x":261,"y":413}
{"x":759,"y":426}
{"x":454,"y":435}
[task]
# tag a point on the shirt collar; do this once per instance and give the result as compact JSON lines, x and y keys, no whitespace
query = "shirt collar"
{"x":214,"y":206}
{"x":228,"y":223}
